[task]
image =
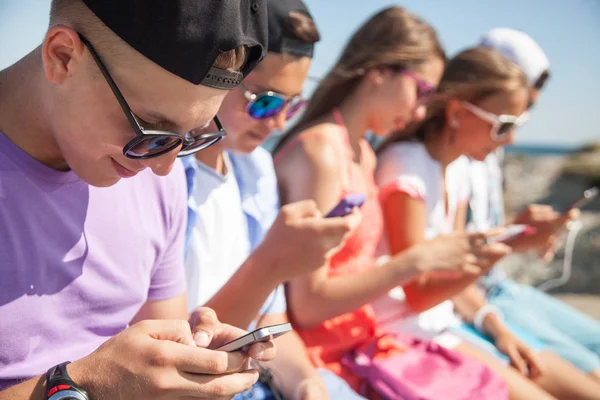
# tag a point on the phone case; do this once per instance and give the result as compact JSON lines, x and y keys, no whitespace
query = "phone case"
{"x":347,"y":204}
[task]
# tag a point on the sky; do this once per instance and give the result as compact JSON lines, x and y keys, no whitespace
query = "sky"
{"x":568,"y":113}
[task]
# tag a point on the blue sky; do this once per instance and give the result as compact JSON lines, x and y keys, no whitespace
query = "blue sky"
{"x":568,"y":30}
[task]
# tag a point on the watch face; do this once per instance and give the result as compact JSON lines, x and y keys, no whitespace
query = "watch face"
{"x":67,"y":395}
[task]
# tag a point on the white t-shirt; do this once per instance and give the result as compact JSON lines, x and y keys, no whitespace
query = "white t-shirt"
{"x":219,"y":241}
{"x":408,"y":167}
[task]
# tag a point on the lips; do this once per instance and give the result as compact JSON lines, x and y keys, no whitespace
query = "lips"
{"x":122,"y":171}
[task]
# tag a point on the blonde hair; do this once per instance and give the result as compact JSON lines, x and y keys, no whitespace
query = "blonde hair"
{"x":77,"y":15}
{"x":393,"y":38}
{"x":472,"y":75}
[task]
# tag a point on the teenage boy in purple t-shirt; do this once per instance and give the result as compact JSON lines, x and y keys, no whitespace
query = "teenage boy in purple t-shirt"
{"x":84,"y":254}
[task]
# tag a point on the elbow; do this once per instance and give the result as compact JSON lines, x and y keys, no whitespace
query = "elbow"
{"x":305,"y":316}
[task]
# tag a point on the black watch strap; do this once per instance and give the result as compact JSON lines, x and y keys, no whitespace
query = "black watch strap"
{"x":60,"y":386}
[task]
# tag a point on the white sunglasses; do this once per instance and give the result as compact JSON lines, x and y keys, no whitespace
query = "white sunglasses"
{"x":502,"y":125}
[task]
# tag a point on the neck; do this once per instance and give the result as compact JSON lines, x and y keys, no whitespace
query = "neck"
{"x":441,"y":147}
{"x":353,"y":113}
{"x":24,"y":116}
{"x":213,"y":157}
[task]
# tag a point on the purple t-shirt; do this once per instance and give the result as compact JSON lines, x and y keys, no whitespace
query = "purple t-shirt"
{"x":77,"y":262}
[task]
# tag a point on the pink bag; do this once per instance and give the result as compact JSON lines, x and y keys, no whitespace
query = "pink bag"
{"x":425,"y":371}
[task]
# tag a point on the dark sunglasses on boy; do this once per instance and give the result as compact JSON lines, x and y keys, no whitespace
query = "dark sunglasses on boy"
{"x":268,"y":104}
{"x":150,"y":143}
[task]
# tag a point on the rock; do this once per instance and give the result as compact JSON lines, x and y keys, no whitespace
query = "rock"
{"x":544,"y":180}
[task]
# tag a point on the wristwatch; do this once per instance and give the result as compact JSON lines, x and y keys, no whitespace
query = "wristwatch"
{"x":60,"y":386}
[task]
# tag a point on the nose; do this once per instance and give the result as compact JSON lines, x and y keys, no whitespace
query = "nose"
{"x":510,"y":140}
{"x":163,"y":164}
{"x":420,"y":112}
{"x":276,"y":122}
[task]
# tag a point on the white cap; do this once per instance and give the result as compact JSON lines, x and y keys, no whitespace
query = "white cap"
{"x":520,"y":48}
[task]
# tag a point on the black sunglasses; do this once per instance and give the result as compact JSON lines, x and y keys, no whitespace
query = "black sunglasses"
{"x":153,"y":143}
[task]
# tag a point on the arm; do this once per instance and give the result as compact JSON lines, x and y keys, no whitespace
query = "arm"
{"x":292,"y":368}
{"x":33,"y":389}
{"x":317,"y":297}
{"x":174,"y":308}
{"x":405,"y":219}
{"x":237,"y":303}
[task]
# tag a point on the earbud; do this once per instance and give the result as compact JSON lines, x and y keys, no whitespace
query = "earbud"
{"x":454,"y":124}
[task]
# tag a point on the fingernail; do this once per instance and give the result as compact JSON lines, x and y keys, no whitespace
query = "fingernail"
{"x":201,"y":339}
{"x":259,"y":352}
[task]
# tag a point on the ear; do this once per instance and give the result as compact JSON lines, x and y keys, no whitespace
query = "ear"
{"x":375,"y":76}
{"x":62,"y":51}
{"x":453,"y":113}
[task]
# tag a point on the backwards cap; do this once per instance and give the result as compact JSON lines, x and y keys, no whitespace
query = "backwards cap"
{"x":280,"y":40}
{"x":185,"y":37}
{"x":520,"y":48}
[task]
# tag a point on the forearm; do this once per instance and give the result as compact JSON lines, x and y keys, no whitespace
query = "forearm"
{"x":468,"y":302}
{"x":33,"y":389}
{"x":238,"y":303}
{"x":314,"y":303}
{"x":471,"y":300}
{"x":292,"y":366}
{"x":423,"y":294}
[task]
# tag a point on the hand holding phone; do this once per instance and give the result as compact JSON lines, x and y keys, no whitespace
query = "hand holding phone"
{"x":585,"y":198}
{"x":347,"y":204}
{"x":263,"y":334}
{"x":511,"y":233}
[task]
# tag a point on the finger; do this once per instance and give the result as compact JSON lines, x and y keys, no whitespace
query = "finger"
{"x":204,"y":324}
{"x":517,"y":361}
{"x":471,"y":269}
{"x":301,"y":209}
{"x":540,"y":209}
{"x":477,"y":239}
{"x":225,"y":334}
{"x":573,"y":213}
{"x":177,"y":331}
{"x":199,"y":360}
{"x":494,"y":250}
{"x":534,"y":362}
{"x":221,"y":386}
{"x":263,"y":351}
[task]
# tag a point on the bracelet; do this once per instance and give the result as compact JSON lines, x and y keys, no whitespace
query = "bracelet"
{"x":482,"y":313}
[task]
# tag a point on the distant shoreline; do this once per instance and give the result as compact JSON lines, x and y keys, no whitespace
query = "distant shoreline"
{"x":541,"y":150}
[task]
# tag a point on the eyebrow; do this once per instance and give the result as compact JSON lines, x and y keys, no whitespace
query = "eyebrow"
{"x":162,"y":120}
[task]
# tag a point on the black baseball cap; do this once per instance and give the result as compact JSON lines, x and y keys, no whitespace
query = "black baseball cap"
{"x":185,"y":37}
{"x":280,"y":39}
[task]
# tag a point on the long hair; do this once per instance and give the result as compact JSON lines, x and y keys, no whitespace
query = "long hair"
{"x":472,"y":75}
{"x":393,"y":38}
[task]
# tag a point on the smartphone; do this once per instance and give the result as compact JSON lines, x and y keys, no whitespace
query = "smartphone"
{"x":587,"y":197}
{"x":511,"y":233}
{"x":263,"y":334}
{"x":347,"y":204}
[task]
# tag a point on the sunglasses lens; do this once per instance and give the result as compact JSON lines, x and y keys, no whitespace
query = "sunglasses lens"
{"x":154,"y":145}
{"x":265,"y":106}
{"x":505,"y":130}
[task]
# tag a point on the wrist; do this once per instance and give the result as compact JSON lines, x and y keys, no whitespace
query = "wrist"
{"x":263,"y":264}
{"x":82,"y":372}
{"x":489,"y":320}
{"x":311,"y":388}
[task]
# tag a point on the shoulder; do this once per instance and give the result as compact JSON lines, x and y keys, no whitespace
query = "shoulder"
{"x":316,"y":150}
{"x":402,"y":159}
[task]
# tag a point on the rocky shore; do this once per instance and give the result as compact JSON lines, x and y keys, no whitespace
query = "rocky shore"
{"x":558,"y":180}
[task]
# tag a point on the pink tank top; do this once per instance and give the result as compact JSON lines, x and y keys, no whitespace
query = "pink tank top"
{"x":328,"y":342}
